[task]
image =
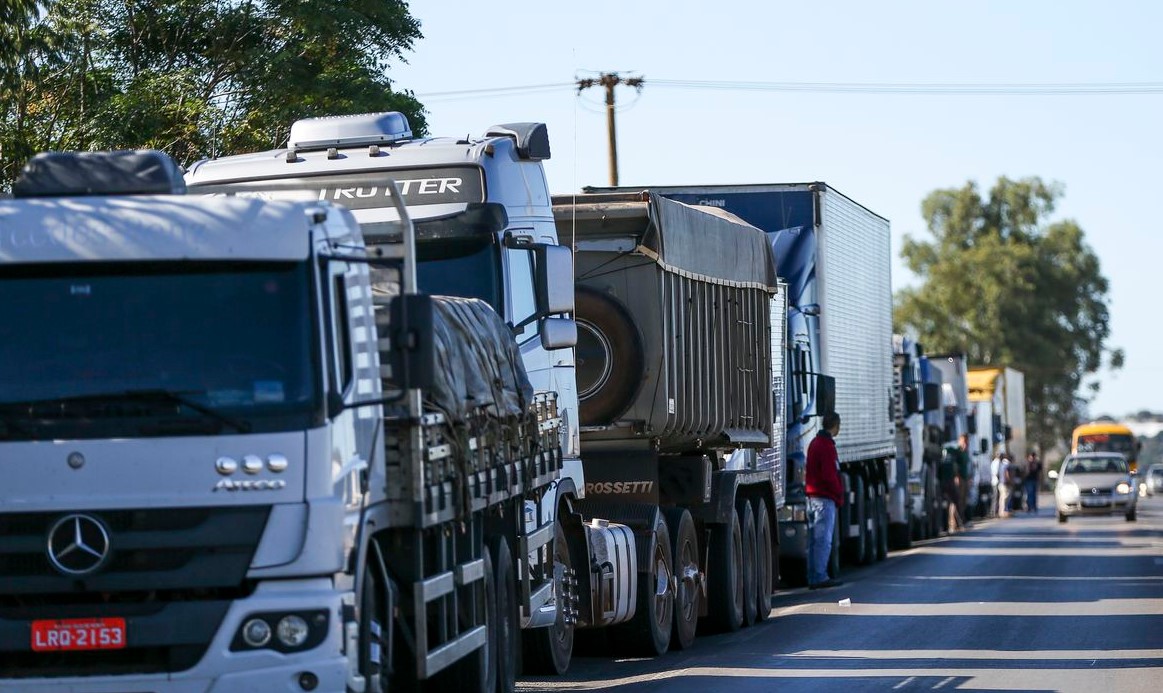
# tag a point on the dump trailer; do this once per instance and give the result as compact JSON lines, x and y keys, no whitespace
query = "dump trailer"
{"x":680,"y":322}
{"x":260,"y":458}
{"x":834,"y":255}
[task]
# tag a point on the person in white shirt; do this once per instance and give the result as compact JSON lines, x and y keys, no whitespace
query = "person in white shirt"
{"x":1003,"y":487}
{"x":995,"y":476}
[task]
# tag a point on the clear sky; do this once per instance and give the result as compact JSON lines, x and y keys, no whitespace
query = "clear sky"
{"x":887,"y":151}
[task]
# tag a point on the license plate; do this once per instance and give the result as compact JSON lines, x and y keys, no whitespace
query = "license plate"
{"x":1095,"y":502}
{"x":78,"y":634}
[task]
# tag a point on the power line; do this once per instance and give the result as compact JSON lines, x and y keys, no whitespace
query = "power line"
{"x":893,"y":88}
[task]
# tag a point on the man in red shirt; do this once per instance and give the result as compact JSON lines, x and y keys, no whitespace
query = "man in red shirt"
{"x":825,"y":495}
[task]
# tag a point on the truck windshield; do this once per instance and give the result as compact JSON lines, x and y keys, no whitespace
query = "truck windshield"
{"x":468,"y":266}
{"x":155,"y":349}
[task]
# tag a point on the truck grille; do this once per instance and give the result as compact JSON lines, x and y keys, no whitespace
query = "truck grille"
{"x":165,"y":567}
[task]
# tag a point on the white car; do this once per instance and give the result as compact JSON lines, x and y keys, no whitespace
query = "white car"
{"x":1097,"y":483}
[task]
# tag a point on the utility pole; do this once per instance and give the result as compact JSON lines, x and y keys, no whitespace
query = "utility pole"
{"x":609,"y":80}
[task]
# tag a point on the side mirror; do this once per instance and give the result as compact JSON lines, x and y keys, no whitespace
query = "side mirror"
{"x":932,"y":396}
{"x":1009,"y":433}
{"x":972,"y":425}
{"x":413,"y":349}
{"x":558,"y":333}
{"x":554,"y":280}
{"x":912,"y":400}
{"x":984,"y":446}
{"x":825,"y":394}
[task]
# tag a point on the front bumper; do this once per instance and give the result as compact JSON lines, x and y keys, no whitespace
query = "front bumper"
{"x":221,"y":670}
{"x":1110,"y":505}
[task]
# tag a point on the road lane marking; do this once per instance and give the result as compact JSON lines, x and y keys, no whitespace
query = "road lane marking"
{"x":1124,"y":680}
{"x":904,"y":683}
{"x":942,"y":684}
{"x":1100,"y":607}
{"x":1119,"y":552}
{"x":1018,"y":655}
{"x":1038,"y":578}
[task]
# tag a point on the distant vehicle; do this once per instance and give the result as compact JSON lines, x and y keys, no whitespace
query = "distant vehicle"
{"x":1153,"y":479}
{"x":1106,"y":437}
{"x":1095,"y":484}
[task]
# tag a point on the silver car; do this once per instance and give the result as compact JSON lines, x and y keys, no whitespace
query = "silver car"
{"x":1098,"y":483}
{"x":1154,"y":480}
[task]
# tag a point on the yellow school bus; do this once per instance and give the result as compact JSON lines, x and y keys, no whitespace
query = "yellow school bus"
{"x":1106,"y":437}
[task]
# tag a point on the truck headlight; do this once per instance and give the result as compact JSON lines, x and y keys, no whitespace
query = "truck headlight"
{"x":256,"y":632}
{"x":292,"y":630}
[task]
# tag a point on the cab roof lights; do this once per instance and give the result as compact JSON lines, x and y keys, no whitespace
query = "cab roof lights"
{"x":349,"y":131}
{"x":71,"y":174}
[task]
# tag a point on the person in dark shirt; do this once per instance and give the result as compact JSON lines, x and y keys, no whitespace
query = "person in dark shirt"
{"x":825,"y":495}
{"x":1032,"y":481}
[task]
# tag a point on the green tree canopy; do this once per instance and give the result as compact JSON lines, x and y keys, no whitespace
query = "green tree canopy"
{"x":194,"y":78}
{"x":1007,"y":287}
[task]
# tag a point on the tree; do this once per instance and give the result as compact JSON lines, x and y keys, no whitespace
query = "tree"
{"x":195,"y":78}
{"x":1007,"y":288}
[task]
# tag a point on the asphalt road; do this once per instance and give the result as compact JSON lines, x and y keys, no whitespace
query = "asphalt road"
{"x":1020,"y":604}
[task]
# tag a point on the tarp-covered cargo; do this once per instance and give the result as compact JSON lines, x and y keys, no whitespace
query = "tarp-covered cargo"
{"x":673,"y":310}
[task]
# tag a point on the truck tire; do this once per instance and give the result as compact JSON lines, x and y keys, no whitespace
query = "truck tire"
{"x":610,"y":359}
{"x":857,"y":517}
{"x":648,"y":632}
{"x":684,"y":545}
{"x":750,"y":587}
{"x":725,"y":576}
{"x":881,"y":525}
{"x":547,"y":651}
{"x":508,"y":628}
{"x":900,"y":535}
{"x":372,"y":643}
{"x":764,"y":561}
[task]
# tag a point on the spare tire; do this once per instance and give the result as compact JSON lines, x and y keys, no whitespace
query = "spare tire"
{"x":610,"y":360}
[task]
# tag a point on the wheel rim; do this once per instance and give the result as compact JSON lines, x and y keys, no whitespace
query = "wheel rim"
{"x":688,"y":577}
{"x":737,"y":557}
{"x":662,"y":601}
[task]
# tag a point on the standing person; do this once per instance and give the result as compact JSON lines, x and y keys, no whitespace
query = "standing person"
{"x":963,"y":478}
{"x":825,"y":495}
{"x":948,"y":477}
{"x":1004,"y":474}
{"x":994,"y":479}
{"x":1033,"y":481}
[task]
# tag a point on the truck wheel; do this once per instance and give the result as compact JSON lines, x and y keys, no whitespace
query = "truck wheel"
{"x":900,"y":535}
{"x":725,"y":575}
{"x":764,"y":553}
{"x":372,"y":644}
{"x":857,"y":514}
{"x":685,"y":549}
{"x":547,"y":651}
{"x":648,"y":632}
{"x":609,"y":357}
{"x":508,"y":623}
{"x":747,"y":520}
{"x":881,"y":526}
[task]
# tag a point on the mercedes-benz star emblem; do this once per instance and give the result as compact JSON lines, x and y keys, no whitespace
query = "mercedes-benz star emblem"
{"x":78,"y":544}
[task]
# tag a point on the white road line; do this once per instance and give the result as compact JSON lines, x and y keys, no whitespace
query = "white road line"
{"x":1101,"y":607}
{"x":904,"y":683}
